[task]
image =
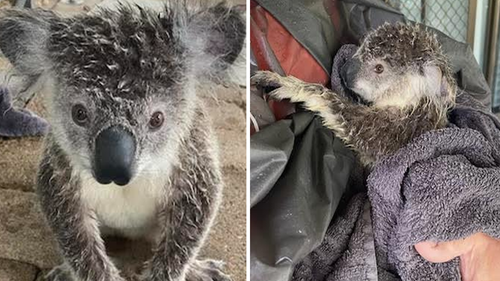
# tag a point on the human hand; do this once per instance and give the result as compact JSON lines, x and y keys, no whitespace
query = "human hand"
{"x":479,"y":256}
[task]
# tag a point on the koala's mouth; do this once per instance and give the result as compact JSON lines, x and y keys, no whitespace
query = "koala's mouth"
{"x":115,"y":149}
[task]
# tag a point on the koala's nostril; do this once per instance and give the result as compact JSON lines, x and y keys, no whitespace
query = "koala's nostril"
{"x":114,"y":156}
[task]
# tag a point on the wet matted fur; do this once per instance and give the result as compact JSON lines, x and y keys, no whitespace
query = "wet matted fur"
{"x":122,"y":66}
{"x":403,"y":79}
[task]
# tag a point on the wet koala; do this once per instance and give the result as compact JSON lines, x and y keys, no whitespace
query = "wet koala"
{"x":130,"y":151}
{"x":402,"y":79}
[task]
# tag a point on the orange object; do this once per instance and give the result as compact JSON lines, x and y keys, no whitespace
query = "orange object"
{"x":293,"y":58}
{"x":275,"y":49}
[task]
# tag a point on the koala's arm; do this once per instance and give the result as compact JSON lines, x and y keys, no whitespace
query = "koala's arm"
{"x":369,"y":131}
{"x":188,"y":212}
{"x":73,"y":226}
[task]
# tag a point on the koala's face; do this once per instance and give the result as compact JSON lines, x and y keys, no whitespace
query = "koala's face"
{"x":398,"y":65}
{"x":121,"y":95}
{"x":371,"y":79}
{"x":123,"y":81}
{"x":379,"y":82}
{"x":117,"y":136}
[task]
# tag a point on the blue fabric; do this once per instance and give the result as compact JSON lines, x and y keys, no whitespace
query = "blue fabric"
{"x":18,"y":122}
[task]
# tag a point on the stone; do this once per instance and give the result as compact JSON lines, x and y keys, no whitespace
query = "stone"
{"x":227,"y":240}
{"x":17,"y":271}
{"x":19,"y":162}
{"x":24,"y":235}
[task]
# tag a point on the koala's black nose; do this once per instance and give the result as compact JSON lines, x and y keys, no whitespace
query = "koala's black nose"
{"x":114,"y":156}
{"x":349,"y":71}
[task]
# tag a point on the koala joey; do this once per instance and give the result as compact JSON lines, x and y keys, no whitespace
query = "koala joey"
{"x":403,"y":80}
{"x":130,"y":151}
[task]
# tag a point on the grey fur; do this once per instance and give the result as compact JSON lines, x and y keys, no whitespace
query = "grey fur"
{"x":412,"y":95}
{"x":123,"y":66}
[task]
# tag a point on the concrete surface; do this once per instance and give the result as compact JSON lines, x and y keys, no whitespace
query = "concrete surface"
{"x":27,"y":249}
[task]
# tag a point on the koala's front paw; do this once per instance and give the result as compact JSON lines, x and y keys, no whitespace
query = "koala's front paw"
{"x":207,"y":270}
{"x":60,"y":273}
{"x":266,"y":80}
{"x":288,"y":87}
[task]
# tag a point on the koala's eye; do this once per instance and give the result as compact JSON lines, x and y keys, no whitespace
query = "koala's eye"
{"x":79,"y":114}
{"x":156,"y":120}
{"x":379,"y":68}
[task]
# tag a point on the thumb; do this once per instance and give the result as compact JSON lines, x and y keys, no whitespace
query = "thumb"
{"x":443,"y":251}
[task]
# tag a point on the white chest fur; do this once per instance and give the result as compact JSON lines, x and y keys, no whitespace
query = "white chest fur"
{"x":129,"y":210}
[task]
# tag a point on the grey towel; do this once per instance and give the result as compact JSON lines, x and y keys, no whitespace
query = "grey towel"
{"x":18,"y":123}
{"x":445,"y":185}
{"x":347,"y":252}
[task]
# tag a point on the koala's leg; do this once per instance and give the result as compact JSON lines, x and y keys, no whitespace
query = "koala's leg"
{"x":207,"y":270}
{"x":74,"y":228}
{"x":187,"y":218}
{"x":188,"y":214}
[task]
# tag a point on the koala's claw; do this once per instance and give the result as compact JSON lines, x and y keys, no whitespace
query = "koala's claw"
{"x":266,"y":80}
{"x":207,"y":270}
{"x":60,"y":273}
{"x":288,"y":87}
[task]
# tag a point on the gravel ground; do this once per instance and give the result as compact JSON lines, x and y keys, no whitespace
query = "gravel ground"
{"x":27,"y":248}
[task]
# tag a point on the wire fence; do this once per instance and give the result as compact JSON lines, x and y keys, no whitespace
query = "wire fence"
{"x":448,"y":16}
{"x":496,"y":78}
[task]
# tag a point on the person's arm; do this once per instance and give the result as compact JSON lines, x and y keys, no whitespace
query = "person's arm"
{"x":479,"y":255}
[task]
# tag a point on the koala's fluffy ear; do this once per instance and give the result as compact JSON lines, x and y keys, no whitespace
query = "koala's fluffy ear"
{"x":438,"y":82}
{"x":23,"y":37}
{"x":433,"y":76}
{"x":215,"y":36}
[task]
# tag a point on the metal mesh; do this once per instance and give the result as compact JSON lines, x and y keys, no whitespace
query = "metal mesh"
{"x":448,"y":16}
{"x":496,"y":78}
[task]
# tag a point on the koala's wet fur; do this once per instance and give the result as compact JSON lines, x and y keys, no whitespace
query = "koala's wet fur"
{"x":404,"y":80}
{"x":122,"y":66}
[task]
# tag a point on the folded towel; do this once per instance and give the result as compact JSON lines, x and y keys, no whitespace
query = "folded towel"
{"x":18,"y":123}
{"x":444,"y":185}
{"x":347,"y":251}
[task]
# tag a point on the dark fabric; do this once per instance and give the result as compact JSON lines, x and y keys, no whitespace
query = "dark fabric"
{"x":18,"y":122}
{"x":299,"y":172}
